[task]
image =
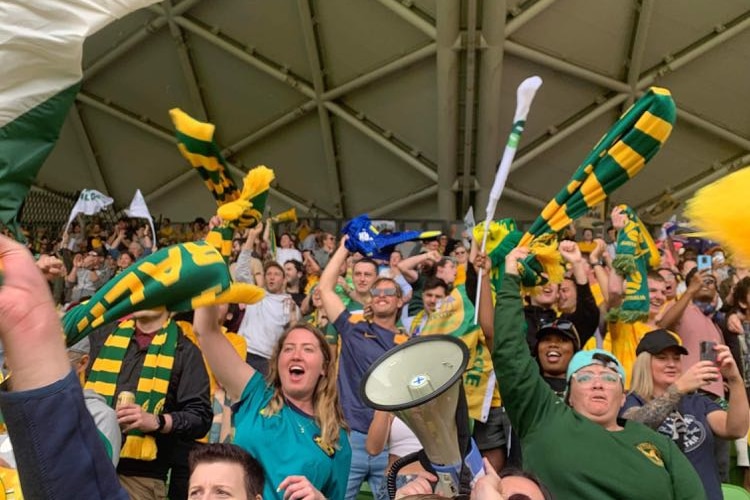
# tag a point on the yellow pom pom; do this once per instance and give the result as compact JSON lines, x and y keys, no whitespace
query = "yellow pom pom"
{"x":719,"y":211}
{"x":233,"y":210}
{"x":256,"y":181}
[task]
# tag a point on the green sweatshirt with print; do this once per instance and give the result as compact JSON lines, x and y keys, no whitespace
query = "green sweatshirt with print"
{"x":574,"y":457}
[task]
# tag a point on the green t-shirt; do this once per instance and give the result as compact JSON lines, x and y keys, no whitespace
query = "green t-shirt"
{"x":573,"y":456}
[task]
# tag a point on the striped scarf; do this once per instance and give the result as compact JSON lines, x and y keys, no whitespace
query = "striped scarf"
{"x":178,"y":278}
{"x":618,"y":156}
{"x":636,"y":253}
{"x":152,"y":383}
{"x":238,"y":208}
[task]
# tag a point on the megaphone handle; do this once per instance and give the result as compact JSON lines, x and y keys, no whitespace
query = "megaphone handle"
{"x":473,"y":462}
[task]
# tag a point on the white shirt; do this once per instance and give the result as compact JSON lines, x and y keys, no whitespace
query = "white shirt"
{"x":264,"y":322}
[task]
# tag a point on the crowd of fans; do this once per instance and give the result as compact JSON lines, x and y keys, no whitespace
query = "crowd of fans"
{"x":587,"y":406}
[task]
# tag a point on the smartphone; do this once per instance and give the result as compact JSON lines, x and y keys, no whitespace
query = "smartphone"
{"x":704,"y":262}
{"x":707,"y":351}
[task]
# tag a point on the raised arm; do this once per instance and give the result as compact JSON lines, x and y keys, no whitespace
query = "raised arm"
{"x":486,"y":307}
{"x":408,"y":266}
{"x":733,"y":423}
{"x":597,"y":259}
{"x":332,"y":304}
{"x":672,"y":316}
{"x":243,"y":271}
{"x":586,"y":314}
{"x":229,"y":369}
{"x":528,"y":399}
{"x":44,"y":409}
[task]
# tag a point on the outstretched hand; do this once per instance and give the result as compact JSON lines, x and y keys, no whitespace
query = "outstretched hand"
{"x":29,"y":326}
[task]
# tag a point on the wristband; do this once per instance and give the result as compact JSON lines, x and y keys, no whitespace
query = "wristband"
{"x":162,"y":422}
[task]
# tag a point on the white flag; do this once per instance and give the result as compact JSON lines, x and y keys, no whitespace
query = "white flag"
{"x":469,"y":221}
{"x":138,"y":209}
{"x":89,"y":202}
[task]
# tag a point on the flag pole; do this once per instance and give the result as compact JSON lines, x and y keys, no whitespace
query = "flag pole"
{"x":524,"y":96}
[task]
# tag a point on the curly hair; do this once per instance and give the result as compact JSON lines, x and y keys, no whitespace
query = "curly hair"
{"x":326,"y":407}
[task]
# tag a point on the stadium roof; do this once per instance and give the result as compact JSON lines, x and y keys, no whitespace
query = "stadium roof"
{"x":401,"y":108}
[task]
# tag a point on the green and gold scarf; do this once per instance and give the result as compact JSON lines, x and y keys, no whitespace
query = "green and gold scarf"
{"x":635,"y":254}
{"x":152,"y":383}
{"x":618,"y":156}
{"x":238,"y":208}
{"x":177,"y":278}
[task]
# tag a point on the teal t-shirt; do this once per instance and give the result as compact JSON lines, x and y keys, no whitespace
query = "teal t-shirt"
{"x":285,"y":445}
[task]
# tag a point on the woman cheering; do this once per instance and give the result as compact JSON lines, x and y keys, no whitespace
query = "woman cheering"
{"x":291,"y":422}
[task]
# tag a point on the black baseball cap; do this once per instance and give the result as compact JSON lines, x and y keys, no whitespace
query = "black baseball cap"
{"x":656,"y":341}
{"x":563,"y":327}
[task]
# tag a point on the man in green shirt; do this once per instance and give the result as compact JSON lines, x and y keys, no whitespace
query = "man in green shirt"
{"x":581,"y":449}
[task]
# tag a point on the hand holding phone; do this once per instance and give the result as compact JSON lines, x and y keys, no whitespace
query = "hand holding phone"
{"x":707,"y":352}
{"x":704,"y":262}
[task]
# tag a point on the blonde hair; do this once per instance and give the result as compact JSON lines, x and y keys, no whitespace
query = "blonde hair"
{"x":326,"y":407}
{"x":642,"y":382}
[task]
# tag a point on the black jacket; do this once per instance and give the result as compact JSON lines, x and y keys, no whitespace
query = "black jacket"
{"x":187,"y":402}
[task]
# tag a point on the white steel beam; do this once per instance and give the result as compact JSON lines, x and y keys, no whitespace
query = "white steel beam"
{"x":89,"y":155}
{"x":278,"y":123}
{"x":186,"y":65}
{"x":412,"y":16}
{"x":448,"y":19}
{"x":469,"y":98}
{"x":310,"y":36}
{"x":566,"y":67}
{"x":156,"y":131}
{"x":712,"y":128}
{"x":136,"y":38}
{"x":720,"y":35}
{"x":489,"y":143}
{"x":523,"y":17}
{"x":597,"y":111}
{"x":637,"y":47}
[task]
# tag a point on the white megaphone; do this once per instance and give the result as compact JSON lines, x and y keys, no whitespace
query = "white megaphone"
{"x":420,"y":382}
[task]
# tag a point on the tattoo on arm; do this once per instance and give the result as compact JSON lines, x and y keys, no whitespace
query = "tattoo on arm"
{"x":655,"y":411}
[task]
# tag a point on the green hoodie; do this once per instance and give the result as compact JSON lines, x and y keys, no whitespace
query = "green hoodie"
{"x":574,"y":457}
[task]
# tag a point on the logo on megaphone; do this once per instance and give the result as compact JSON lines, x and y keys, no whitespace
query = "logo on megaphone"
{"x":420,"y":382}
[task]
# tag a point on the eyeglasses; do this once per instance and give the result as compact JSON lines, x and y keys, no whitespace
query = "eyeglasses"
{"x":709,"y":281}
{"x":384,"y":292}
{"x":587,"y":378}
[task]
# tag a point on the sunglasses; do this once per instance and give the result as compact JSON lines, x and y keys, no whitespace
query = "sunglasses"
{"x":561,"y":324}
{"x":383,"y":292}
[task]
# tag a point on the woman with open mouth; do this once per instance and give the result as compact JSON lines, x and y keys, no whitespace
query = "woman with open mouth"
{"x":291,"y":422}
